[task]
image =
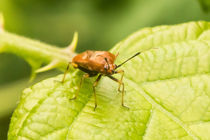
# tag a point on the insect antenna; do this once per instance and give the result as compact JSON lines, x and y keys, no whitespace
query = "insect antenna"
{"x":128,"y":59}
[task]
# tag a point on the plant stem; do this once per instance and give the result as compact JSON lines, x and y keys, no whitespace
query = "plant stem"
{"x":31,"y":50}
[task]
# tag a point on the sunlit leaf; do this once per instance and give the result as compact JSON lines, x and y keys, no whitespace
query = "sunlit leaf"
{"x":167,"y":91}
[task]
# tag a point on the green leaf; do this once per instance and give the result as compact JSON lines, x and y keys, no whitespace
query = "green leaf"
{"x":10,"y":93}
{"x":167,"y":91}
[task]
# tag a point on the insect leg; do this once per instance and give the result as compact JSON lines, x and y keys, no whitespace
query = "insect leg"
{"x":67,"y":69}
{"x":121,"y":83}
{"x":86,"y":75}
{"x":94,"y":91}
{"x":122,"y":75}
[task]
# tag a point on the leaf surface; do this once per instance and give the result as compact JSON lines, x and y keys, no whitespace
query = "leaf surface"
{"x":167,"y":91}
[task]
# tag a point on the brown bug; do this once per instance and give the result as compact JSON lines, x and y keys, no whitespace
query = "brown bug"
{"x":99,"y":63}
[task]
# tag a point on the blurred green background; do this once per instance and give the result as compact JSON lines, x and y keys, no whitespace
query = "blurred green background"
{"x":100,"y":23}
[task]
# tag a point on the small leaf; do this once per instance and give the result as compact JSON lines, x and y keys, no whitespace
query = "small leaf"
{"x":167,"y":91}
{"x":49,"y":66}
{"x":73,"y":45}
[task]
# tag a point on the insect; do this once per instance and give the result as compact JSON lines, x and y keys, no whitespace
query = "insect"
{"x":98,"y":63}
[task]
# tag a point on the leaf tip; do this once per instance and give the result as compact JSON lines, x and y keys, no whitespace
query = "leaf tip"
{"x":73,"y":43}
{"x":50,"y":66}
